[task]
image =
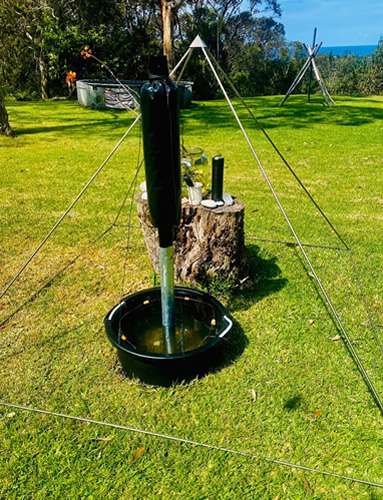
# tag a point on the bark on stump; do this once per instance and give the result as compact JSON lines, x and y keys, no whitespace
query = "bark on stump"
{"x":209,"y":244}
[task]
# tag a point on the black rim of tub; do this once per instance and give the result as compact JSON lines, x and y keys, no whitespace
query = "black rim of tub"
{"x":190,"y":363}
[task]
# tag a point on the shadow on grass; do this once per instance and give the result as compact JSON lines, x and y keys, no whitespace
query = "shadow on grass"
{"x":59,"y":336}
{"x":264,"y":279}
{"x":265,"y":274}
{"x":293,"y":402}
{"x":233,"y":347}
{"x":69,"y":119}
{"x":296,"y":113}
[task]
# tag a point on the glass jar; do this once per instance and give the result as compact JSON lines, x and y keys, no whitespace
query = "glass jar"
{"x":194,"y":165}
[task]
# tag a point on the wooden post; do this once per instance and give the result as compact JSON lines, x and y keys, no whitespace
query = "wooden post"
{"x":209,"y":244}
{"x":169,"y":9}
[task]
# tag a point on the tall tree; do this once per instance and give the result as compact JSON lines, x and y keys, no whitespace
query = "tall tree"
{"x":29,"y":22}
{"x":169,"y":10}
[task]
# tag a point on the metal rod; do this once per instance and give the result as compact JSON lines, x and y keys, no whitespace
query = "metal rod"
{"x":193,"y":443}
{"x":167,"y":299}
{"x":323,"y":85}
{"x":280,"y":154}
{"x":189,"y":54}
{"x":27,"y":262}
{"x":297,"y":79}
{"x":311,"y":69}
{"x":180,"y":62}
{"x":318,"y":77}
{"x":316,"y":277}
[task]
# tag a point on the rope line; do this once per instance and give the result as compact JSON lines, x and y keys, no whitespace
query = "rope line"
{"x":36,"y":251}
{"x":294,"y":244}
{"x":194,"y":443}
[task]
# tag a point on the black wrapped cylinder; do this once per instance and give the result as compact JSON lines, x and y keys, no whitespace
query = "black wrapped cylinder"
{"x":160,"y":125}
{"x":217,"y":178}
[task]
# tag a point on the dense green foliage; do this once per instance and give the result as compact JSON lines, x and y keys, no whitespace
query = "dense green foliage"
{"x":41,"y":41}
{"x":351,"y":74}
{"x":290,"y":389}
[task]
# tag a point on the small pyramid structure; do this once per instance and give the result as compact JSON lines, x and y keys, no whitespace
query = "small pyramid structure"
{"x":310,"y":64}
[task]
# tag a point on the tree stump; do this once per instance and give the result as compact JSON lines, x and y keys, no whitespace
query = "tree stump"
{"x":209,"y":245}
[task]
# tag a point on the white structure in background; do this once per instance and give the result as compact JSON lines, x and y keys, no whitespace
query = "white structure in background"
{"x":310,"y":64}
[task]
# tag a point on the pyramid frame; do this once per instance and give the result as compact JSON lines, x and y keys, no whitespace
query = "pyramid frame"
{"x":198,"y":43}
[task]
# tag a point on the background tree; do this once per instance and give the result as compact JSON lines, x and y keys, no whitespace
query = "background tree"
{"x":169,"y":11}
{"x":241,"y":40}
{"x":41,"y":41}
{"x":5,"y":128}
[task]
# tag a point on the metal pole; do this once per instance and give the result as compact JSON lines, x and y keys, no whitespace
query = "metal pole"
{"x":318,"y":77}
{"x":311,"y":68}
{"x":189,"y":54}
{"x":160,"y":125}
{"x":217,"y":36}
{"x":297,"y":79}
{"x":167,"y":298}
{"x":321,"y":81}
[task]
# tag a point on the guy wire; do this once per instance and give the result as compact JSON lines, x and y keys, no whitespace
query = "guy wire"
{"x":133,"y":189}
{"x":50,"y":281}
{"x":195,"y":443}
{"x":228,"y":79}
{"x":31,"y":257}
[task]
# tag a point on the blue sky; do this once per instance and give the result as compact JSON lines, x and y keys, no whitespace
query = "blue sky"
{"x":339,"y":22}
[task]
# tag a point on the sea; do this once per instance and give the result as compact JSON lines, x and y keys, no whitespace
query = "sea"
{"x":359,"y":50}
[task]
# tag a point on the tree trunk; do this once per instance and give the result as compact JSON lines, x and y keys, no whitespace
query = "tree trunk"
{"x":209,"y":245}
{"x":5,"y":128}
{"x":44,"y":79}
{"x":169,"y":11}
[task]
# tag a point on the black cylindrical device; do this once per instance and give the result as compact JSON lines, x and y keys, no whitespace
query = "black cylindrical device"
{"x":161,"y":141}
{"x":217,"y":178}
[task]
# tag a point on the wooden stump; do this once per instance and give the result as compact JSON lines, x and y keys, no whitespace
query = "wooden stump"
{"x":209,"y":244}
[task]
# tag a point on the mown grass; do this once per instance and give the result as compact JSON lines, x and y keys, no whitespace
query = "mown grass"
{"x":311,"y":406}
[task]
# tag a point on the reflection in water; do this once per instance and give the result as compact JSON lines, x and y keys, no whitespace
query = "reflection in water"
{"x":196,"y":325}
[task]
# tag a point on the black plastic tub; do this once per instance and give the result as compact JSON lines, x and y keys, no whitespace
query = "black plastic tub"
{"x":134,"y":328}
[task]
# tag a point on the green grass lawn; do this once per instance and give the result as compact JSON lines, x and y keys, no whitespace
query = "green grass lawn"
{"x":311,"y":407}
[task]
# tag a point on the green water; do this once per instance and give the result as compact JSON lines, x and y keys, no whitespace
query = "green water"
{"x":195,"y":327}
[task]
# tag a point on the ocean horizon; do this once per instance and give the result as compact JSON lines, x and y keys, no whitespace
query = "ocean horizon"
{"x":340,"y":50}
